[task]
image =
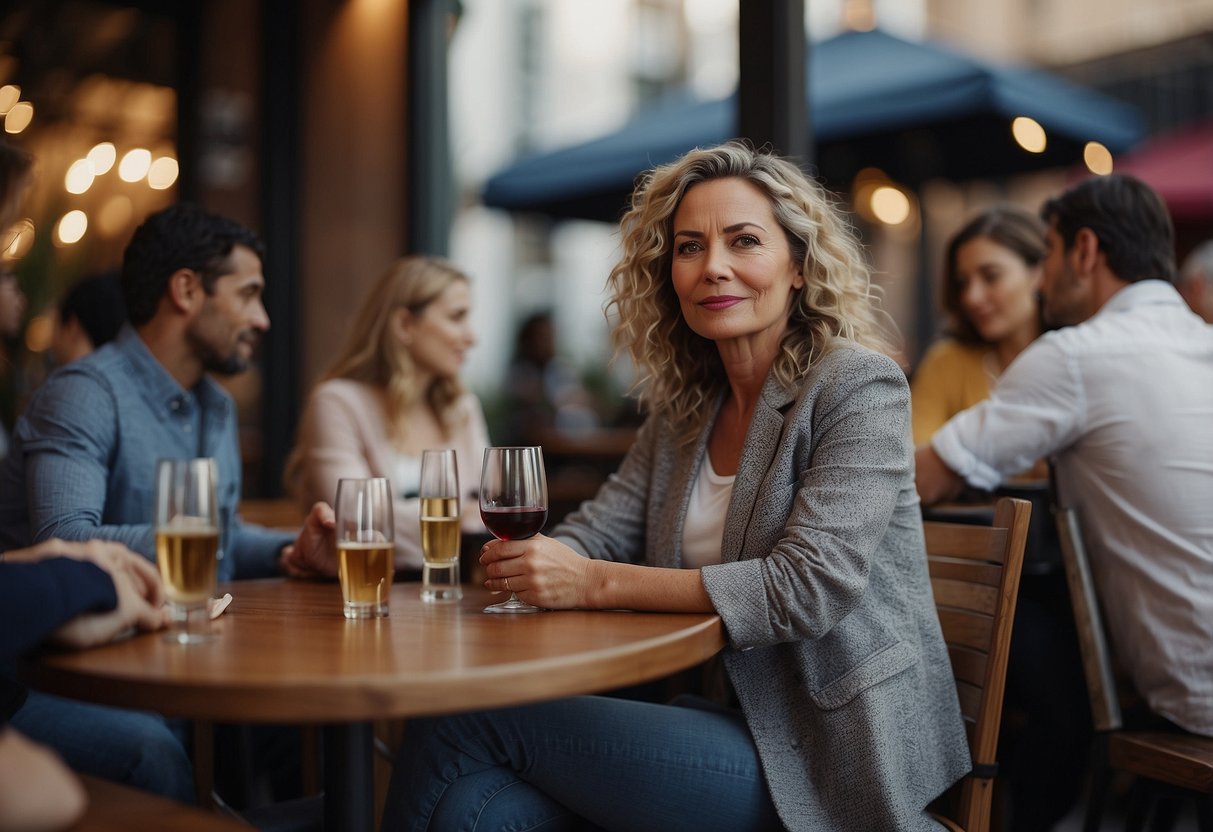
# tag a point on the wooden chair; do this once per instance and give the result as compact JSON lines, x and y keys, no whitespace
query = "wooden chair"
{"x":975,"y":577}
{"x":1172,"y":764}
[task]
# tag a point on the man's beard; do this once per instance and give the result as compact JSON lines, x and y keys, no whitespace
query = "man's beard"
{"x":215,"y":362}
{"x":1066,"y":310}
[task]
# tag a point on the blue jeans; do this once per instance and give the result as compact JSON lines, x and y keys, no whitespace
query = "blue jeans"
{"x":132,"y":747}
{"x":588,"y":762}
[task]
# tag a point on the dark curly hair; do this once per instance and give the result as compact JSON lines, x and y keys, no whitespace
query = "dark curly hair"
{"x":182,"y":236}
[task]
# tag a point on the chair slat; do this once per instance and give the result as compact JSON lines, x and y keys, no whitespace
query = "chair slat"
{"x":964,"y":570}
{"x":967,"y":628}
{"x":962,"y":541}
{"x":965,"y":595}
{"x":968,"y":665}
{"x":1184,"y":760}
{"x":970,"y":700}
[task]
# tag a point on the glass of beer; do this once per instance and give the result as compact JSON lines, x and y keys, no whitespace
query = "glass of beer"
{"x":365,"y":545}
{"x":440,"y":533}
{"x":513,"y":503}
{"x":187,"y":543}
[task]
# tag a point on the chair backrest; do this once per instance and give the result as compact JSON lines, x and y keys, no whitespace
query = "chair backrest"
{"x":975,"y":577}
{"x":1092,"y":643}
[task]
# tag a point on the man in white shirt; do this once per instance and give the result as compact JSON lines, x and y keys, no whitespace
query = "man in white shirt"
{"x":1121,"y":398}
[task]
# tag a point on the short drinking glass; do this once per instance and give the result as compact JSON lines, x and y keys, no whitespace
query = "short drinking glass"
{"x":365,"y":545}
{"x":513,"y":502}
{"x":440,"y":533}
{"x":187,"y":543}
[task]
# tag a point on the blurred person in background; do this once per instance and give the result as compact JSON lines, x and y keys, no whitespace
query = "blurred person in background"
{"x":1196,"y":280}
{"x":543,"y":392}
{"x":772,"y":484}
{"x":393,"y":392}
{"x":991,"y":292}
{"x":1120,"y":397}
{"x":91,"y":315}
{"x":992,"y":273}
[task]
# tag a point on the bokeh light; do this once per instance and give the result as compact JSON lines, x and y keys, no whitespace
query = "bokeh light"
{"x":10,"y":94}
{"x":890,"y":205}
{"x":79,"y":177}
{"x":102,"y":156}
{"x":135,"y":164}
{"x":1029,"y":134}
{"x":72,"y":227}
{"x":19,"y":117}
{"x":1097,"y":158}
{"x":162,"y":174}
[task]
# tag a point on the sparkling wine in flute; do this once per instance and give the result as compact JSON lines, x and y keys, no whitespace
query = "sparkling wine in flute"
{"x":188,"y":564}
{"x":440,"y":531}
{"x":440,"y":527}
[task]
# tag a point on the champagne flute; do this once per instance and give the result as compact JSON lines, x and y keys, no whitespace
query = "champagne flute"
{"x":440,"y":532}
{"x":187,"y":543}
{"x":365,"y":546}
{"x":513,"y":502}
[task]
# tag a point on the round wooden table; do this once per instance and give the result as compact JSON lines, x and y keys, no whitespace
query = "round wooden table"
{"x":283,"y":653}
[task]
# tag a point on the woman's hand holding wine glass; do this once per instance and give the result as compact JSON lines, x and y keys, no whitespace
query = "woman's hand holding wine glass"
{"x":541,"y":570}
{"x":513,"y":503}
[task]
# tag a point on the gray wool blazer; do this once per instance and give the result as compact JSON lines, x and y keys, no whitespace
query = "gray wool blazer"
{"x":835,"y":651}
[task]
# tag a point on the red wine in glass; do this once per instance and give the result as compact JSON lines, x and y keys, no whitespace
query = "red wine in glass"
{"x":513,"y":502}
{"x":514,"y":523}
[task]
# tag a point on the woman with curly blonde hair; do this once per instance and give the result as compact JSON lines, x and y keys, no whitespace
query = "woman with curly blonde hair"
{"x":392,"y":392}
{"x":772,"y":484}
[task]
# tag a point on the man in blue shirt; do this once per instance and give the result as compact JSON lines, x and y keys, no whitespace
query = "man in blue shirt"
{"x":84,"y":454}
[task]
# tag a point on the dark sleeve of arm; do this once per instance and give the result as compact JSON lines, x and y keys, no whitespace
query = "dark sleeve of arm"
{"x":37,"y":598}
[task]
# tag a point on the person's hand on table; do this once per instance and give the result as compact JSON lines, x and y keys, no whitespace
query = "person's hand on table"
{"x":314,"y":552}
{"x":110,"y":556}
{"x":539,"y":570}
{"x":134,"y":611}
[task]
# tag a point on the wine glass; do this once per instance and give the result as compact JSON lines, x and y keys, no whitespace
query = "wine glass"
{"x":440,"y":532}
{"x":365,"y":545}
{"x":187,"y":543}
{"x":513,"y":502}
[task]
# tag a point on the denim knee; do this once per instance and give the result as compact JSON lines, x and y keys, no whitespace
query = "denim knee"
{"x":161,"y":765}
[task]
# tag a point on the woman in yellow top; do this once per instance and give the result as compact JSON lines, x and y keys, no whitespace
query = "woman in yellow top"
{"x":992,"y":277}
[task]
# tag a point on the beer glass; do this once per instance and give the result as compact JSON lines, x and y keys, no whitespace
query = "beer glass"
{"x":513,"y":503}
{"x":365,"y":545}
{"x":187,"y":543}
{"x":440,"y":533}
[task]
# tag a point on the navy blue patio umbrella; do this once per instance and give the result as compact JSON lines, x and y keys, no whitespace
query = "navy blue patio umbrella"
{"x":915,"y":110}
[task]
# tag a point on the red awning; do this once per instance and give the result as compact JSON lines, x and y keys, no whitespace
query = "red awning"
{"x":1179,"y":166}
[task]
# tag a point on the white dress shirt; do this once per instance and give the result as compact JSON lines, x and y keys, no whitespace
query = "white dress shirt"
{"x":1124,"y":404}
